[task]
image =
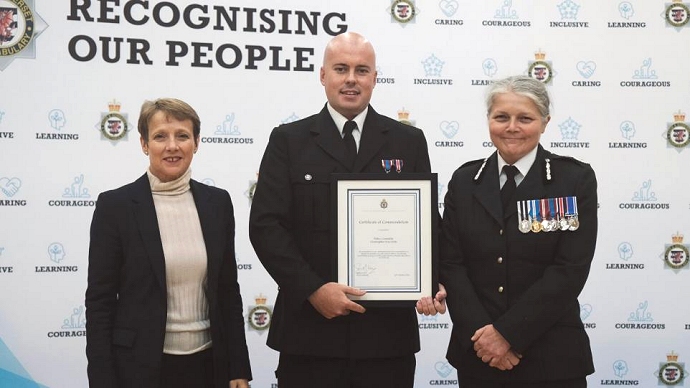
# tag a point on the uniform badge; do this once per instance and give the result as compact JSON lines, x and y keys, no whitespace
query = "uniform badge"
{"x":548,"y":215}
{"x":390,"y":164}
{"x":524,"y":224}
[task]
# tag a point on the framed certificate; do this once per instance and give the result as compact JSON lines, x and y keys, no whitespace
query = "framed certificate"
{"x":384,"y":237}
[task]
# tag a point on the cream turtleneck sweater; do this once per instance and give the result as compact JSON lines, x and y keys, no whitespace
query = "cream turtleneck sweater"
{"x":187,"y":328}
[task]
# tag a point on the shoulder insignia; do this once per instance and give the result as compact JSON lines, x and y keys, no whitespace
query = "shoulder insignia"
{"x":547,"y":170}
{"x":472,"y":162}
{"x":567,"y":159}
{"x":554,"y":160}
{"x":481,"y":169}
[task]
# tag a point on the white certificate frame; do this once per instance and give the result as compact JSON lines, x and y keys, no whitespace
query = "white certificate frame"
{"x":384,"y":235}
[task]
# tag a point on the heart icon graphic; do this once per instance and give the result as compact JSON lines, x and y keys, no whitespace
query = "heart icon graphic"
{"x":10,"y":186}
{"x":443,"y":369}
{"x":585,"y":310}
{"x":449,"y":128}
{"x":448,"y":7}
{"x":586,"y":69}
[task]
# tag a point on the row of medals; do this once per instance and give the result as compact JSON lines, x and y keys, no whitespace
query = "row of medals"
{"x":562,"y":215}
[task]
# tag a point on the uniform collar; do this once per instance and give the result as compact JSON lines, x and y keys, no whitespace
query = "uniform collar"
{"x":523,"y":164}
{"x":340,"y":120}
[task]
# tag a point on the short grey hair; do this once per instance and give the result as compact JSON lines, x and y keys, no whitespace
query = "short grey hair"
{"x":521,"y":85}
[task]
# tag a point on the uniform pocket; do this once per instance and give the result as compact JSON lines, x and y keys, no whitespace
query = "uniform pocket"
{"x":311,"y":190}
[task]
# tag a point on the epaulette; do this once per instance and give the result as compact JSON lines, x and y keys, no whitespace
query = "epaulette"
{"x":568,"y":159}
{"x":471,"y":162}
{"x":557,"y":158}
{"x":547,"y":171}
{"x":478,"y":175}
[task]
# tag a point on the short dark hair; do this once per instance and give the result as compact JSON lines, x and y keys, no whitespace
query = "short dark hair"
{"x":178,"y":109}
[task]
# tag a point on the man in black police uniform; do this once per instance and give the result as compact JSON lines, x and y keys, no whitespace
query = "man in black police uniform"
{"x":321,"y":343}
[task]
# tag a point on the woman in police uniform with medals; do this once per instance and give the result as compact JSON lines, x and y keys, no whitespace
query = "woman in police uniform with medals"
{"x":518,"y":236}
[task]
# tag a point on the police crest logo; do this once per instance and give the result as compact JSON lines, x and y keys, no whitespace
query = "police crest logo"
{"x":19,"y":28}
{"x":676,"y":254}
{"x":404,"y":117}
{"x":249,"y":193}
{"x":678,"y":132}
{"x":677,"y":14}
{"x":540,"y":69}
{"x":259,"y":317}
{"x":671,"y":372}
{"x":403,"y":11}
{"x":114,"y":124}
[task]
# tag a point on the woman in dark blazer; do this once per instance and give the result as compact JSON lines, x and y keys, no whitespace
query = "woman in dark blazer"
{"x":163,"y":305}
{"x":515,"y":259}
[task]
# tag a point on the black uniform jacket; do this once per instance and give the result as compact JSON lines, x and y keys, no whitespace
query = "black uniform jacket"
{"x":525,"y":284}
{"x":290,"y":229}
{"x":126,"y":301}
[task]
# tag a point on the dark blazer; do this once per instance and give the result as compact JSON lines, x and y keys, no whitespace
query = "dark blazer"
{"x":540,"y":274}
{"x":126,"y":302}
{"x":290,"y":228}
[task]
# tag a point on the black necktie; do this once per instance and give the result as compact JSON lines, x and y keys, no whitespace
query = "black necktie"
{"x":508,"y":189}
{"x":350,"y":146}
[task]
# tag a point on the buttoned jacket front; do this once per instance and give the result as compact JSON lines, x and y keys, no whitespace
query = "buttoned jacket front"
{"x":290,"y":229}
{"x":525,"y":284}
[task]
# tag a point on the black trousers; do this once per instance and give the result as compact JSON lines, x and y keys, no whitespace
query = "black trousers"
{"x":188,"y":371}
{"x":467,"y":382}
{"x":319,"y":372}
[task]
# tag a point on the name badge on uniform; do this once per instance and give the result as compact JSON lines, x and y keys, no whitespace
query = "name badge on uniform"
{"x":548,"y":215}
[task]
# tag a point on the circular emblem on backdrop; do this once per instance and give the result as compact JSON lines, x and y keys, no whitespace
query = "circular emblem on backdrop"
{"x":678,"y":135}
{"x":676,"y":256}
{"x":250,"y":191}
{"x":403,"y":10}
{"x":677,"y":14}
{"x":541,"y":71}
{"x":114,"y":126}
{"x":16,"y":27}
{"x":260,"y":317}
{"x":671,"y":373}
{"x":384,"y":204}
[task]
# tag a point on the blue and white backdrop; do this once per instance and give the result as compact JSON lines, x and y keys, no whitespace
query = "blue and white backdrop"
{"x":73,"y":74}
